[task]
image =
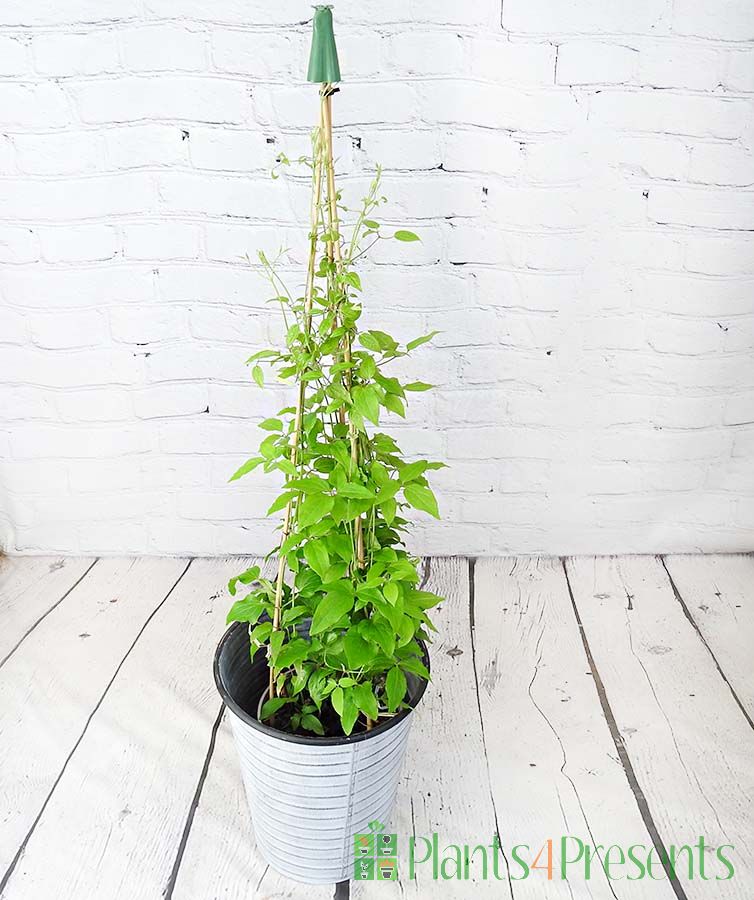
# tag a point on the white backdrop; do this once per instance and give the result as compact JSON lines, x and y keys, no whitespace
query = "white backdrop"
{"x":581,"y":175}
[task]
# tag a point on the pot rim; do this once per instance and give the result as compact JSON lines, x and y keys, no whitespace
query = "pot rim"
{"x":313,"y":740}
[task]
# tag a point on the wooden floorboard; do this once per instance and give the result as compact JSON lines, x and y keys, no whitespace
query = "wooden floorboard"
{"x":29,"y":588}
{"x":444,"y":788}
{"x":691,"y":749}
{"x":53,"y":683}
{"x":717,"y":593}
{"x":603,"y":699}
{"x":113,"y":825}
{"x":220,"y":858}
{"x":554,"y":767}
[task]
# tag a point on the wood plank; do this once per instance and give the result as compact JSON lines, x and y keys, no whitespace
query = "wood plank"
{"x":29,"y":587}
{"x":113,"y":825}
{"x":444,"y":786}
{"x":555,"y":770}
{"x":221,"y":859}
{"x":222,"y":832}
{"x":718,"y":593}
{"x":691,"y":749}
{"x":52,"y":683}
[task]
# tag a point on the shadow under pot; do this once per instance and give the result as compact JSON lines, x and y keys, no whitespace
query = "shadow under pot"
{"x":309,"y":796}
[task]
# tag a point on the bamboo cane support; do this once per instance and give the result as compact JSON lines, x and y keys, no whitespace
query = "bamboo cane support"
{"x":334,"y":252}
{"x":298,"y":420}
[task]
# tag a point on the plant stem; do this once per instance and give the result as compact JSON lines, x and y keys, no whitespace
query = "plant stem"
{"x":301,"y":399}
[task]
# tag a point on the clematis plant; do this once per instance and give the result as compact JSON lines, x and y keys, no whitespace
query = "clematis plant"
{"x":344,"y":621}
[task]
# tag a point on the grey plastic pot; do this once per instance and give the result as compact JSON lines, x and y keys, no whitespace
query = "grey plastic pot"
{"x":309,"y":796}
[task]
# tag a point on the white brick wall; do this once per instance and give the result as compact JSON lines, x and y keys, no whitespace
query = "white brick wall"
{"x":582,"y":175}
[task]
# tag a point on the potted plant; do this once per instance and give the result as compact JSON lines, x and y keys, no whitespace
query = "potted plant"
{"x":325,"y":662}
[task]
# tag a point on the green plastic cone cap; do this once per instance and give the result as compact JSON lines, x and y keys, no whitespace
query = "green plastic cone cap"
{"x":323,"y":60}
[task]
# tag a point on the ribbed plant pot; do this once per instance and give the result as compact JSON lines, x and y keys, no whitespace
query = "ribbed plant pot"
{"x":309,"y":796}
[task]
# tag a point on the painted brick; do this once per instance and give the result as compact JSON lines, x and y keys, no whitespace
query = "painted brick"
{"x":592,"y":62}
{"x":166,"y":400}
{"x":164,"y":48}
{"x":728,"y":20}
{"x":579,"y":180}
{"x":261,"y":54}
{"x":14,"y":55}
{"x":83,"y":53}
{"x":161,"y":240}
{"x":69,"y":329}
{"x":146,"y":145}
{"x":60,"y":153}
{"x":18,"y":245}
{"x":81,"y":243}
{"x":170,"y":96}
{"x":229,"y":150}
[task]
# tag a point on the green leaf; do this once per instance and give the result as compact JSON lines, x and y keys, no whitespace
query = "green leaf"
{"x":384,"y":341}
{"x":269,"y":447}
{"x":270,"y":707}
{"x":246,"y":577}
{"x":388,"y":510}
{"x":311,"y":723}
{"x":391,"y":592}
{"x":261,"y":354}
{"x":369,"y":341}
{"x":260,"y":634}
{"x":353,"y":279}
{"x":355,"y":491}
{"x":247,"y":467}
{"x":395,"y":686}
{"x":370,"y":223}
{"x":358,"y":651}
{"x":394,"y":404}
{"x":417,"y":342}
{"x":336,"y":698}
{"x":291,"y":653}
{"x":412,"y":470}
{"x":418,"y":386}
{"x":350,"y":713}
{"x":280,"y":502}
{"x":366,"y":402}
{"x":316,"y":555}
{"x":246,"y":610}
{"x":271,"y":425}
{"x":406,"y":236}
{"x":330,"y":610}
{"x":382,"y":634}
{"x":258,"y":375}
{"x":421,"y":497}
{"x":364,"y":698}
{"x":341,"y":545}
{"x":368,"y":368}
{"x":314,"y":508}
{"x":308,"y":485}
{"x":415,"y":665}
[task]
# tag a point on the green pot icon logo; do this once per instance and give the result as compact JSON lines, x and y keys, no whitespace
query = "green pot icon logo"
{"x":388,"y":869}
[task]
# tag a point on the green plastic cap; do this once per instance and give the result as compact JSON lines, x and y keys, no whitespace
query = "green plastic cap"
{"x":323,"y":60}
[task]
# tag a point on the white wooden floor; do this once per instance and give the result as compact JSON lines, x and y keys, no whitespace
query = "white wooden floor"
{"x":607,"y":699}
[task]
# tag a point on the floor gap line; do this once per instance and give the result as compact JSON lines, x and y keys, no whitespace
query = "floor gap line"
{"x":628,"y":768}
{"x":692,"y":622}
{"x":472,"y":628}
{"x":20,"y":852}
{"x":170,"y":887}
{"x":44,"y":615}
